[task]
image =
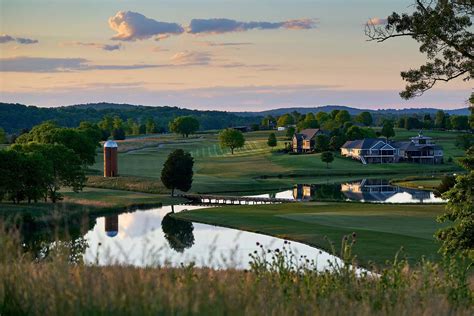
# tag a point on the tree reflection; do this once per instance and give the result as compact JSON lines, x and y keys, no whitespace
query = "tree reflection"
{"x":178,"y":233}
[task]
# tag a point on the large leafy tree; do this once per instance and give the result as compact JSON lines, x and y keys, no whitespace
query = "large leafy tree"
{"x":232,"y":139}
{"x":459,"y":236}
{"x":177,"y":171}
{"x":342,"y":117}
{"x":184,"y":125}
{"x":285,"y":120}
{"x":444,"y":30}
{"x":387,"y":129}
{"x":82,"y":141}
{"x":364,"y":118}
{"x":65,"y":168}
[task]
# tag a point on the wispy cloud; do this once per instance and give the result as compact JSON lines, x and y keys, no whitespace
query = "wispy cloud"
{"x":44,"y":64}
{"x":190,"y":58}
{"x":218,"y":26}
{"x":131,"y":26}
{"x":5,"y":38}
{"x":106,"y":47}
{"x":225,"y":44}
{"x":377,"y":21}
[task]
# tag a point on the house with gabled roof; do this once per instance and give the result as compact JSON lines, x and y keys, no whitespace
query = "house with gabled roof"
{"x":419,"y":149}
{"x":370,"y":150}
{"x":305,"y":140}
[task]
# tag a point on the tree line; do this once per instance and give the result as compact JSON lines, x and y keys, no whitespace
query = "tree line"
{"x":17,"y":117}
{"x":46,"y":159}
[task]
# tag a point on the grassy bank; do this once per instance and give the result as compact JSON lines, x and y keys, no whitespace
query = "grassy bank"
{"x":381,"y":229}
{"x":420,"y":183}
{"x":91,"y":201}
{"x":278,"y":285}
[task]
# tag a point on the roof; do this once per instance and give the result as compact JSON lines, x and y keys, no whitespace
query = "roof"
{"x":308,"y":133}
{"x":410,"y":146}
{"x":365,"y":143}
{"x":110,"y":144}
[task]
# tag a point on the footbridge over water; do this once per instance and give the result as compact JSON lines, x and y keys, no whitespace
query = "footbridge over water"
{"x":233,"y":200}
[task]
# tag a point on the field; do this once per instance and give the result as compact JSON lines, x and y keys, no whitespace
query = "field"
{"x":256,"y":168}
{"x":381,"y":229}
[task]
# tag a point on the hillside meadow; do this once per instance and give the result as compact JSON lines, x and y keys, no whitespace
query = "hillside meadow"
{"x":256,"y":167}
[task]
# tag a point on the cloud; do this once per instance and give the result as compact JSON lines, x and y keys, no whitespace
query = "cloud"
{"x":131,"y":26}
{"x":110,"y":47}
{"x":157,"y":49}
{"x":189,"y":58}
{"x":218,"y":26}
{"x":44,"y":64}
{"x":215,"y":44}
{"x":26,"y":41}
{"x":107,"y":47}
{"x":377,"y":21}
{"x":162,"y":37}
{"x":5,"y":38}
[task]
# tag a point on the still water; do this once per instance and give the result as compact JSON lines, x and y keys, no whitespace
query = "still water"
{"x":152,"y":237}
{"x":364,"y":190}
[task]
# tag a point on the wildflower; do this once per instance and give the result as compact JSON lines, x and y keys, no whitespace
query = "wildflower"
{"x":353,"y":235}
{"x":258,"y":244}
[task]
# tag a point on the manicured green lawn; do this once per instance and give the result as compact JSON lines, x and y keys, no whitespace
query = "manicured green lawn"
{"x":381,"y":229}
{"x":216,"y":170}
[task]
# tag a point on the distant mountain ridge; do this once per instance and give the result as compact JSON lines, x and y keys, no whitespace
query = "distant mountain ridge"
{"x":353,"y":111}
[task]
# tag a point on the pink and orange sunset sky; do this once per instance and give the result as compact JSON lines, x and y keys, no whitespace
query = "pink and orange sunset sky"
{"x":235,"y":55}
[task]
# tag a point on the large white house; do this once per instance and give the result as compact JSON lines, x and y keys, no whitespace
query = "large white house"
{"x":419,"y":149}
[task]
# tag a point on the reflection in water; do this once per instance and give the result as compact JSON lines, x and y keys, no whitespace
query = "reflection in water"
{"x":380,"y":190}
{"x":141,"y":242}
{"x":112,"y":225}
{"x":303,"y":192}
{"x":365,"y":190}
{"x":179,"y":233}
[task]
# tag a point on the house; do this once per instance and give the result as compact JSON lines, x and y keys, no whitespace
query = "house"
{"x":370,"y":150}
{"x":305,"y":140}
{"x":243,"y":129}
{"x":419,"y":149}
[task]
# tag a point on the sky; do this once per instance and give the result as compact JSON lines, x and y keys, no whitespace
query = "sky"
{"x":232,"y":55}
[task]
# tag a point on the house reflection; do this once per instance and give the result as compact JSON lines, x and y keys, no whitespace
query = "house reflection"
{"x":369,"y":190}
{"x":380,"y":190}
{"x":303,"y":192}
{"x":112,"y":225}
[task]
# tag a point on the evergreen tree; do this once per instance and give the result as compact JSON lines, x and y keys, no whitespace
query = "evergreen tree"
{"x":272,"y":140}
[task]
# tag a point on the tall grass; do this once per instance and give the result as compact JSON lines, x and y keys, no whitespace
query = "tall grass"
{"x":278,"y":283}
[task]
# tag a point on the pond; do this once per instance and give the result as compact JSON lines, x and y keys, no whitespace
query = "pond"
{"x":153,"y":237}
{"x":364,"y":190}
